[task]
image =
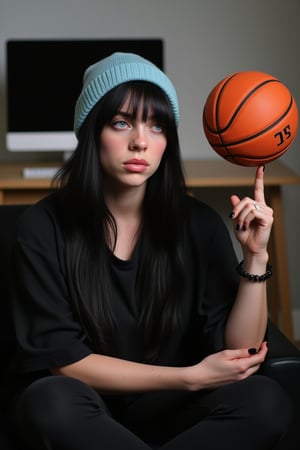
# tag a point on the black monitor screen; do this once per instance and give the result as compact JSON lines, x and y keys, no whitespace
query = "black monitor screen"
{"x":44,"y":77}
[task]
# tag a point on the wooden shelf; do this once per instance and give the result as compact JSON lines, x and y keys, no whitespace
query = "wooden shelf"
{"x":220,"y":173}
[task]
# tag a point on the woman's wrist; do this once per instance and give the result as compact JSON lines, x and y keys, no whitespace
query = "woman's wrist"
{"x":191,"y":377}
{"x":255,"y":263}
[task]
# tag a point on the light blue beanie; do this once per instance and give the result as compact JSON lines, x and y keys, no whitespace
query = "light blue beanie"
{"x":116,"y":69}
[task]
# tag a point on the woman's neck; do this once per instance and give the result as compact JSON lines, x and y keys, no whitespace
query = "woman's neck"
{"x":126,"y":208}
{"x":126,"y":202}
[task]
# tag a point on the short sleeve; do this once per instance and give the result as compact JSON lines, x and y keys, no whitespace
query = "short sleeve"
{"x":47,"y":332}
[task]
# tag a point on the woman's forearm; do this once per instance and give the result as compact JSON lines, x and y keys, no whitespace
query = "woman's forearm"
{"x":246,"y":325}
{"x":114,"y":375}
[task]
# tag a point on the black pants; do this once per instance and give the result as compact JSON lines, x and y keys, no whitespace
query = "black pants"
{"x":60,"y":413}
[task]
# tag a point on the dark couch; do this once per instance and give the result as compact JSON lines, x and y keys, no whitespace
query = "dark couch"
{"x":282,"y":364}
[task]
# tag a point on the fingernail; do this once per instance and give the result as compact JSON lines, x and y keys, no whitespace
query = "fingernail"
{"x":237,"y":227}
{"x":252,"y":351}
{"x":244,"y":228}
{"x":264,"y":167}
{"x":231,"y":215}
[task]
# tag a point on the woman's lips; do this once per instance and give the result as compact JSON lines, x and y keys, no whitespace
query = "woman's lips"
{"x":136,"y":165}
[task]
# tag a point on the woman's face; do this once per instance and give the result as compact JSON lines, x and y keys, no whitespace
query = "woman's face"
{"x":131,"y":147}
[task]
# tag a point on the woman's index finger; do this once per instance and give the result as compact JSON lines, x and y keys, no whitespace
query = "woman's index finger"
{"x":259,"y":194}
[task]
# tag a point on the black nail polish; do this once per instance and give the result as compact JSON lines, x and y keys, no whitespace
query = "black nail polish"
{"x":264,"y":167}
{"x":252,"y":351}
{"x":237,"y":227}
{"x":244,"y":228}
{"x":231,"y":215}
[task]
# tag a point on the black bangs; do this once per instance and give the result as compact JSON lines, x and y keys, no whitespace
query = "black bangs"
{"x":153,"y":100}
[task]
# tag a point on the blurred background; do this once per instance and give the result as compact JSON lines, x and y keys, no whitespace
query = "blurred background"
{"x":204,"y":40}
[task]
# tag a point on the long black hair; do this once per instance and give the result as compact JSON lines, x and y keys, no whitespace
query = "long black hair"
{"x":88,"y":225}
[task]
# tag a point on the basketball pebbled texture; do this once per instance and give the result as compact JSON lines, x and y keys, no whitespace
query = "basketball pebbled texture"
{"x":250,"y":118}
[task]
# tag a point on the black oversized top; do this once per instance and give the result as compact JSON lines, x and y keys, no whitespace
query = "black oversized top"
{"x":47,"y":331}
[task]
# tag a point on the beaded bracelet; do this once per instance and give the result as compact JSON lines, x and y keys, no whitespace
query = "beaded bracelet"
{"x":250,"y":276}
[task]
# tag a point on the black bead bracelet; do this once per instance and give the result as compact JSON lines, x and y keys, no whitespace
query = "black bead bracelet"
{"x":252,"y":277}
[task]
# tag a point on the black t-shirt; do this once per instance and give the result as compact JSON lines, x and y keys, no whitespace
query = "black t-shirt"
{"x":47,"y":331}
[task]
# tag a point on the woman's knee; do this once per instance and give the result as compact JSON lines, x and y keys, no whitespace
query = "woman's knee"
{"x":268,"y":406}
{"x":53,"y":404}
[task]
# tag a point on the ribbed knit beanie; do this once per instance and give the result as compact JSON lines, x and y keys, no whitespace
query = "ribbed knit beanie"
{"x":116,"y":69}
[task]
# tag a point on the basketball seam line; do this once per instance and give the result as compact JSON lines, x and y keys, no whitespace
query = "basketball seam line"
{"x":242,"y":103}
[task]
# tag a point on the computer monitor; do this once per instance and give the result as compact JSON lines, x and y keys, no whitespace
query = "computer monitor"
{"x":43,"y":81}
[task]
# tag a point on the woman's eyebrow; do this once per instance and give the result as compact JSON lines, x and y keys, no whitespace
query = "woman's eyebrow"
{"x":129,"y":115}
{"x":124,"y":114}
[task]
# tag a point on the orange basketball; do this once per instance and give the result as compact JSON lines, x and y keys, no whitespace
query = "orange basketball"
{"x":250,"y":118}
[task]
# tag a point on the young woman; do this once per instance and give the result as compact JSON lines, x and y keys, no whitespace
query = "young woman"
{"x":135,"y":329}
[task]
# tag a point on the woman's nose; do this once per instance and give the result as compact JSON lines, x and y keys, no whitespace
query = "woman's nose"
{"x":139,"y":139}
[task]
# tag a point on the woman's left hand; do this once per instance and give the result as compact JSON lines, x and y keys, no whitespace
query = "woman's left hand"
{"x":253,"y":219}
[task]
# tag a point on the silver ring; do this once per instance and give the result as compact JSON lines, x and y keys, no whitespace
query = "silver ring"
{"x":256,"y":206}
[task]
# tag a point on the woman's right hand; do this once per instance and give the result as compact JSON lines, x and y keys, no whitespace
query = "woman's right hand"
{"x":223,"y":368}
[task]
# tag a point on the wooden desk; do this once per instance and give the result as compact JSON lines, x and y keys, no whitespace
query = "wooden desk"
{"x":217,"y":173}
{"x":15,"y":189}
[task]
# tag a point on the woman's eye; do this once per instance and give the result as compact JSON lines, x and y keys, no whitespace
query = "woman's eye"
{"x":157,"y":128}
{"x":120,"y":124}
